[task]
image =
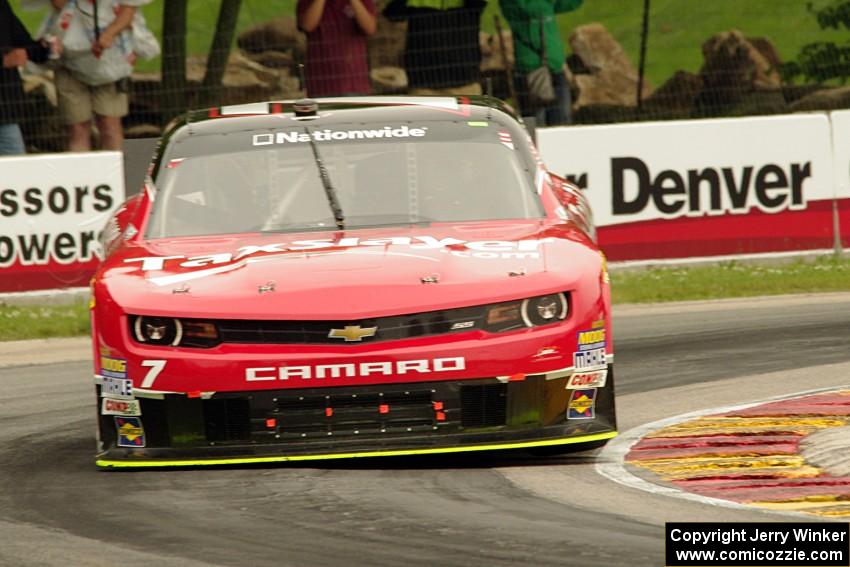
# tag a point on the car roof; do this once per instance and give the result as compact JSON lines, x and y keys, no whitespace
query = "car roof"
{"x":338,"y":110}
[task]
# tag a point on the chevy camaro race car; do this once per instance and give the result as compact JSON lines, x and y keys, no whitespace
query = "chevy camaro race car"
{"x":346,"y":278}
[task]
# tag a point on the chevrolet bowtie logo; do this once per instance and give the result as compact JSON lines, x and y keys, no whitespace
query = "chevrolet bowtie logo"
{"x":353,"y":333}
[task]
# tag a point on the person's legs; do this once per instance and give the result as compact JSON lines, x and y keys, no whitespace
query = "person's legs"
{"x":79,"y":137}
{"x":110,"y":104}
{"x":560,"y":111}
{"x":11,"y":140}
{"x":75,"y":110}
{"x":111,"y":132}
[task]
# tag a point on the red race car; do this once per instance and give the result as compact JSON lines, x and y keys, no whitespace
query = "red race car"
{"x":348,"y":278}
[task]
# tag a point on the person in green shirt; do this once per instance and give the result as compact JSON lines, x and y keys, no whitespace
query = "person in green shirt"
{"x":525,"y":18}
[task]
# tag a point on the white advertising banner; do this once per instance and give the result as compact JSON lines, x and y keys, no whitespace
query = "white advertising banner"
{"x":840,"y":121}
{"x":52,"y":209}
{"x":739,"y":177}
{"x":644,"y":171}
{"x":841,"y":151}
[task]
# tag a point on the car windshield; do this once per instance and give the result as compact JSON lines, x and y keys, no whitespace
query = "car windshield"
{"x":382,"y":175}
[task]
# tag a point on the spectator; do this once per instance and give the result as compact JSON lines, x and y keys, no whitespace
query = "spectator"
{"x":443,"y":53}
{"x":337,"y":63}
{"x":526,"y":18}
{"x":16,"y":48}
{"x":92,"y":82}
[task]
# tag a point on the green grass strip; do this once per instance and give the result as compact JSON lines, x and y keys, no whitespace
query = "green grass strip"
{"x":730,"y":279}
{"x":43,"y":321}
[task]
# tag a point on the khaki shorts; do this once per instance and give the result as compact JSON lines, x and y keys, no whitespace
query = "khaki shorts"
{"x":470,"y":89}
{"x":78,"y":102}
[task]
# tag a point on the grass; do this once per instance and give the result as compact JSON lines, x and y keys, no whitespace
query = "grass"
{"x":653,"y":285}
{"x":677,"y":28}
{"x":730,"y":279}
{"x":41,"y":322}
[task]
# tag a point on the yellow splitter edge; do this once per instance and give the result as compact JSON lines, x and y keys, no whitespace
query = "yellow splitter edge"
{"x":399,"y":453}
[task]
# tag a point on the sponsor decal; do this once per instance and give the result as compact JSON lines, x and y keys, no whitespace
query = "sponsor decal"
{"x":714,"y":190}
{"x":356,"y":370}
{"x":299,"y":137}
{"x":221,"y":262}
{"x":582,"y":404}
{"x":352,"y":333}
{"x":593,"y":359}
{"x":589,"y":340}
{"x":112,"y":406}
{"x":593,"y":379}
{"x":116,"y":387}
{"x":130,"y":432}
{"x":113,"y":367}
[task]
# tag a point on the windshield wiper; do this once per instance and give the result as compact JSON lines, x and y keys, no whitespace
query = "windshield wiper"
{"x":333,"y":201}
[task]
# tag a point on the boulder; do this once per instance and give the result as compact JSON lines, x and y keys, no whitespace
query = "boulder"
{"x":143,"y":131}
{"x":289,"y":88}
{"x":793,"y":93}
{"x":611,"y":77}
{"x":386,"y":45}
{"x":825,"y":99}
{"x":767,"y":50}
{"x":279,"y":34}
{"x":676,"y":97}
{"x":388,"y":80}
{"x":734,"y":66}
{"x":272,"y":59}
{"x":244,"y":80}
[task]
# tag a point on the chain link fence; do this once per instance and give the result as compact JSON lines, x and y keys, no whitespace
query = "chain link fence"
{"x":724,"y":58}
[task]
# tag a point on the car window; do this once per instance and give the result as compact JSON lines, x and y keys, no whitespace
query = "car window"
{"x":435,"y":173}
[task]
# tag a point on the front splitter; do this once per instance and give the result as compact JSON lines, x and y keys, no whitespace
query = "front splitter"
{"x":154,"y":463}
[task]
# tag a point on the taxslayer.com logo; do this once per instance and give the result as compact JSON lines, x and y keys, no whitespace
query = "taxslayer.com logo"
{"x":218,"y":263}
{"x":295,"y":136}
{"x":713,"y":190}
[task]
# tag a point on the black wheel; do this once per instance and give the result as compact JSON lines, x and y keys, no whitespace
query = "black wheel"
{"x":553,"y":450}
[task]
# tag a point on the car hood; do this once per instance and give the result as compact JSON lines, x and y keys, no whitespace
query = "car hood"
{"x":350,"y":274}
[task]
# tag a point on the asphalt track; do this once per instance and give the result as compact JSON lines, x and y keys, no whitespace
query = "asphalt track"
{"x":483,"y":509}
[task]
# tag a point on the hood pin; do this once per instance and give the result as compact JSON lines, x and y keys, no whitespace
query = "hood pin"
{"x":516,"y":273}
{"x":182,"y":289}
{"x":267,"y":288}
{"x":434,"y":278}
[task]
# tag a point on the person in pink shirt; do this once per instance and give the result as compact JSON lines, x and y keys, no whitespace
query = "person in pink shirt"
{"x":337,"y":61}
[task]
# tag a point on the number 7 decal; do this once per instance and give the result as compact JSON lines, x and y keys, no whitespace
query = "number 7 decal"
{"x":156,"y":366}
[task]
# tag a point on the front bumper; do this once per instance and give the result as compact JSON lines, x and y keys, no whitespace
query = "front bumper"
{"x":359,"y":421}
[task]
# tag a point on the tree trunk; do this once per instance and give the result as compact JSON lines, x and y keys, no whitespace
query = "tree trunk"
{"x":225,"y":29}
{"x":173,"y":59}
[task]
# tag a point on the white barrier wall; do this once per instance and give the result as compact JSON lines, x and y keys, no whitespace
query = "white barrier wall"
{"x":52,"y":210}
{"x":702,"y":187}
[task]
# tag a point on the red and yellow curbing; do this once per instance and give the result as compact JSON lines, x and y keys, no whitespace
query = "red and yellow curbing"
{"x":752,"y":456}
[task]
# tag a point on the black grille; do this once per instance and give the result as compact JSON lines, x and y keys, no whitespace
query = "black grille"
{"x":483,"y":405}
{"x":389,"y":328}
{"x":227,"y":419}
{"x":355,"y":414}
